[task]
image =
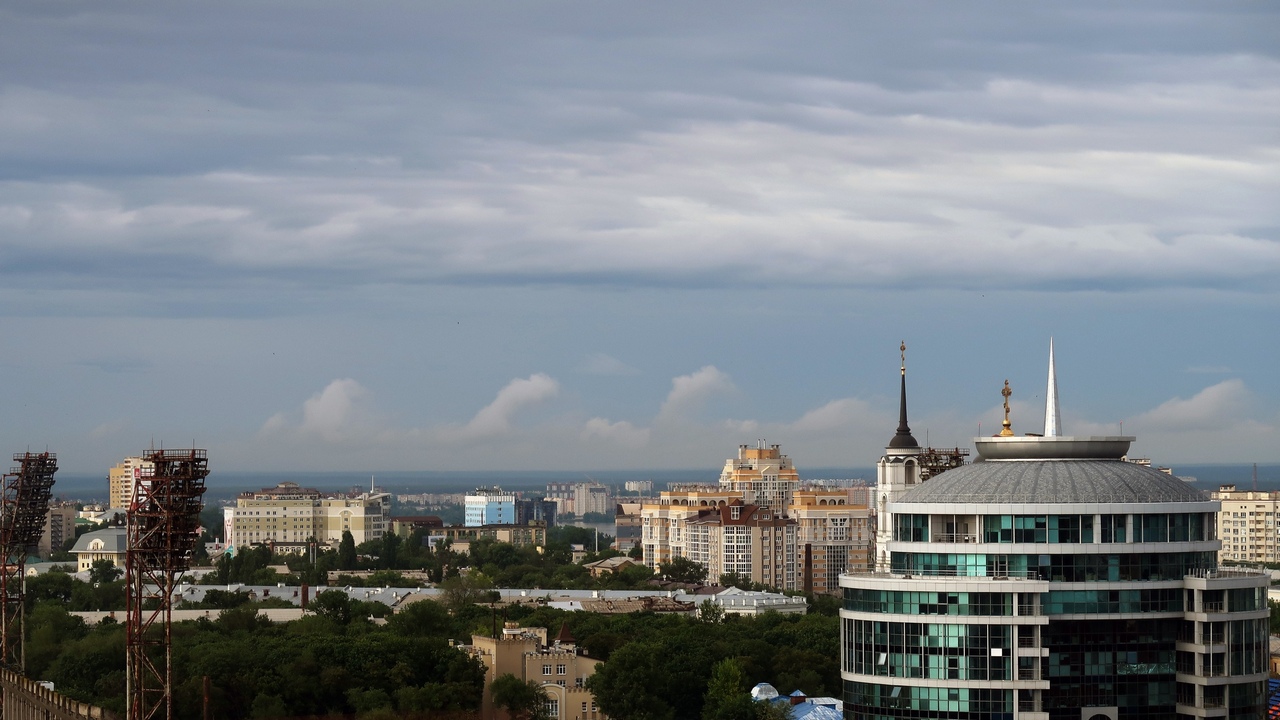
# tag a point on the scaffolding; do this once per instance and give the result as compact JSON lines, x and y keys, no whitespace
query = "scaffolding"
{"x":23,"y":512}
{"x":163,"y":526}
{"x":937,"y":460}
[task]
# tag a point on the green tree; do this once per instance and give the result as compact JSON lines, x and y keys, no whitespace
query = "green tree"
{"x":390,"y":550}
{"x":462,"y":591}
{"x":103,"y":572}
{"x":524,"y":700}
{"x":332,"y":604}
{"x":683,"y":570}
{"x":347,"y":551}
{"x":727,"y":697}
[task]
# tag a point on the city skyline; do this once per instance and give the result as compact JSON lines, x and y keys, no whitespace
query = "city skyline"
{"x":407,"y":237}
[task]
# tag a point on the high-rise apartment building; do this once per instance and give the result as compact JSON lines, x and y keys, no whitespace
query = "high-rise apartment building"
{"x":832,"y":536}
{"x":59,"y":527}
{"x":1049,"y":580}
{"x":1248,"y":525}
{"x":760,"y":523}
{"x":762,"y":475}
{"x":287,"y":516}
{"x":121,"y":479}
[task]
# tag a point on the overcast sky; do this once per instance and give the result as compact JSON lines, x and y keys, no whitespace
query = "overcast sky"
{"x":576,"y":235}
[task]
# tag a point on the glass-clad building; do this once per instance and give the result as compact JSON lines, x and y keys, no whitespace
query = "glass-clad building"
{"x":1048,"y":580}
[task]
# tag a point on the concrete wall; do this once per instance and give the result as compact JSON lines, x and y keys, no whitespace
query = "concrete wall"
{"x":25,"y":699}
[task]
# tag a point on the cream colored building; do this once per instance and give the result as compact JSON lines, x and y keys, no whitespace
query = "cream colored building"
{"x":812,"y":535}
{"x":558,"y":667}
{"x":1248,"y":525}
{"x":762,"y":475}
{"x":832,"y":537}
{"x":120,"y":480}
{"x":109,"y":544}
{"x":288,"y":515}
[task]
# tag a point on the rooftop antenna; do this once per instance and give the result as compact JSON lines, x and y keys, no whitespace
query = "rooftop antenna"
{"x":1007,"y":430}
{"x":1052,"y":414}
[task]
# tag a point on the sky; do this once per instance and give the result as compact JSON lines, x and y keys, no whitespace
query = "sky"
{"x":572,"y":235}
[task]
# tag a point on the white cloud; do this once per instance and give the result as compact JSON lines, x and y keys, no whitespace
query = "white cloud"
{"x":1214,"y":408}
{"x":602,"y":364}
{"x":689,"y":393}
{"x":621,"y":432}
{"x":495,"y":418}
{"x":338,"y":413}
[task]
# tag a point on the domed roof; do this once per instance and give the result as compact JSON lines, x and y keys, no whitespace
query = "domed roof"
{"x":1053,"y":481}
{"x":1052,"y":470}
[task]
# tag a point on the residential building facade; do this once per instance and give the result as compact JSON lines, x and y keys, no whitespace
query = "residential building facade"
{"x":59,"y":527}
{"x":1248,"y":525}
{"x":759,"y":522}
{"x":121,"y":479}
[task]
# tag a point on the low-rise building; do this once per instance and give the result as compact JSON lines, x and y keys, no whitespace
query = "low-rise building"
{"x":109,"y":544}
{"x":461,"y":536}
{"x":559,"y":667}
{"x":288,"y":516}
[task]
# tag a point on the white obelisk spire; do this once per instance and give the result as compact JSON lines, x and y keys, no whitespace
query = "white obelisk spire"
{"x":1052,"y":415}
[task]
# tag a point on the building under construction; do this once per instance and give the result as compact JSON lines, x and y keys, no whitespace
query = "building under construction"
{"x":163,"y":526}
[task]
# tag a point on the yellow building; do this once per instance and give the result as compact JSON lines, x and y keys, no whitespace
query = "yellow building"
{"x":120,"y":480}
{"x":559,"y":668}
{"x":1248,"y":525}
{"x":288,"y":515}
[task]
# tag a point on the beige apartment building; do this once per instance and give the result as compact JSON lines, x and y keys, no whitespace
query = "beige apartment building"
{"x":762,"y":475}
{"x":1248,"y":525}
{"x":749,"y":540}
{"x":288,"y":515}
{"x":785,"y":536}
{"x":833,"y":535}
{"x":121,"y":478}
{"x":558,"y":667}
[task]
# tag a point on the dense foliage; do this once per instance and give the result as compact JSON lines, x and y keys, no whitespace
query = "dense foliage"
{"x":338,"y":661}
{"x":334,"y":662}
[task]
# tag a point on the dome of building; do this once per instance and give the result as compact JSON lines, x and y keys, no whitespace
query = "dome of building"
{"x":1052,"y":470}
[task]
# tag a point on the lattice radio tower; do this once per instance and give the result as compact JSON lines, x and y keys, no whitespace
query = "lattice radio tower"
{"x":164,"y":517}
{"x":23,"y":511}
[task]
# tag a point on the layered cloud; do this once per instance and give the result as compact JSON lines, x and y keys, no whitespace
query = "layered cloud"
{"x":523,"y":159}
{"x":844,"y":432}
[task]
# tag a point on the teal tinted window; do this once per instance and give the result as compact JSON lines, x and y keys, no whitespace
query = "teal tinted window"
{"x":911,"y":528}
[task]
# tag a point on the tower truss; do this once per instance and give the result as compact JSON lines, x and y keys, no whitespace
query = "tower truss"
{"x":163,"y":524}
{"x":23,"y":511}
